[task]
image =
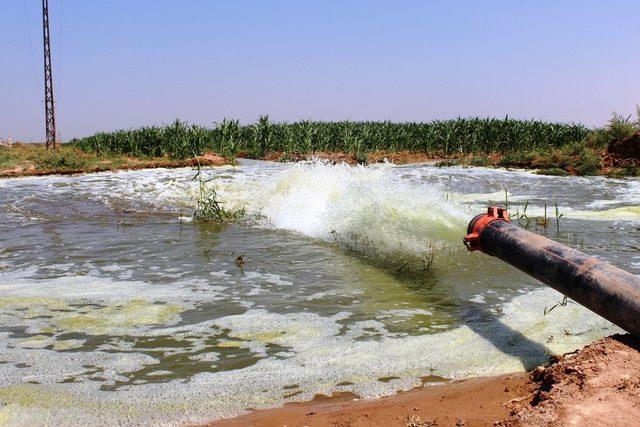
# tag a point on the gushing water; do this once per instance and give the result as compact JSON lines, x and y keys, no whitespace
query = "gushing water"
{"x":364,"y":209}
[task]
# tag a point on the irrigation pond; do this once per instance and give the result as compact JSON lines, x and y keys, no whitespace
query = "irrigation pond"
{"x":116,"y":308}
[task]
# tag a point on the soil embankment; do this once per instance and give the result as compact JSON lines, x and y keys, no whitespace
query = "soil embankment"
{"x":598,"y":385}
{"x":34,"y":160}
{"x":477,"y":401}
{"x":396,"y":157}
{"x":28,"y":167}
{"x":621,"y":159}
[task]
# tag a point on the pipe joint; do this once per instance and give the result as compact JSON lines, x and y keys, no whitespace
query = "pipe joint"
{"x":479,"y":222}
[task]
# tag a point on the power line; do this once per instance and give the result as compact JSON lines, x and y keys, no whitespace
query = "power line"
{"x":59,"y":72}
{"x":33,"y":57}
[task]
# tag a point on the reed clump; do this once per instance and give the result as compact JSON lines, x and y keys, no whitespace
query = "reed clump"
{"x":209,"y":207}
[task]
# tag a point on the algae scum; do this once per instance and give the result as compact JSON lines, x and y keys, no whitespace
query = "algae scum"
{"x":115,"y":308}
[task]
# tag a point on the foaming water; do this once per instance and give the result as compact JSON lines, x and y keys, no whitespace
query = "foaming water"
{"x":626,"y":213}
{"x":364,"y":209}
{"x":114,"y":309}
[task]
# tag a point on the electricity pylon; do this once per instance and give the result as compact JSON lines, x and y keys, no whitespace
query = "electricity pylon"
{"x":50,"y":116}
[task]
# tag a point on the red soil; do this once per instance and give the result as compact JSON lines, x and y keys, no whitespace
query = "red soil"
{"x":475,"y":402}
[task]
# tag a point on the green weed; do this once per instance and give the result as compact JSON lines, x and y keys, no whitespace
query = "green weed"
{"x":58,"y":159}
{"x":209,"y":208}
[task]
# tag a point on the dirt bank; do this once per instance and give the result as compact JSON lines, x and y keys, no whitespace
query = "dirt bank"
{"x":396,"y":157}
{"x":33,"y":159}
{"x":598,"y":385}
{"x":471,"y":402}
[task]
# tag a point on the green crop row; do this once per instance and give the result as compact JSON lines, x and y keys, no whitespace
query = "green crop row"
{"x":229,"y":138}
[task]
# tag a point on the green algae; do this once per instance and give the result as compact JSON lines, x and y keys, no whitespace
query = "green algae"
{"x":132,"y":314}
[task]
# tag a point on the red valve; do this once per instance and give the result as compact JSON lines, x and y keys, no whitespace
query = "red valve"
{"x":479,"y":222}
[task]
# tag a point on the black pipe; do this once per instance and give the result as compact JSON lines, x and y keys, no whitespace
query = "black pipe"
{"x":604,"y":289}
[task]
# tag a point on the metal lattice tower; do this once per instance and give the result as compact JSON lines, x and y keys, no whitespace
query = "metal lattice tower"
{"x":50,"y":116}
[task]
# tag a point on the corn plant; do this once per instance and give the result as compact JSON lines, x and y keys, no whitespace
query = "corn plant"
{"x":457,"y":136}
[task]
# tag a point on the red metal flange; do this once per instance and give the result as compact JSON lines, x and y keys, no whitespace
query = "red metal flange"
{"x":479,"y":222}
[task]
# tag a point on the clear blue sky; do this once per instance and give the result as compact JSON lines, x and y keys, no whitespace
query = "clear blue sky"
{"x":121,"y":64}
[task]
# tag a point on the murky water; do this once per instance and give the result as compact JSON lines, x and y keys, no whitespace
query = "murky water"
{"x":115,"y":308}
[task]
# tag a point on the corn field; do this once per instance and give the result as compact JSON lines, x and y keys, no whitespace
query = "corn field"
{"x":229,"y":138}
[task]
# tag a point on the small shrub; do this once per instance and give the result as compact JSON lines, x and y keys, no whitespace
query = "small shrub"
{"x":361,"y":157}
{"x":447,"y":163}
{"x":588,"y":163}
{"x":574,"y":158}
{"x":620,"y":127}
{"x":599,"y":138}
{"x":548,"y":160}
{"x":480,"y":161}
{"x":5,"y":156}
{"x":518,"y":159}
{"x":58,"y":159}
{"x":629,"y":170}
{"x":553,"y":172}
{"x":632,"y":171}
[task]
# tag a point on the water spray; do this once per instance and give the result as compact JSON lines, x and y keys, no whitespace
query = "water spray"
{"x":599,"y":286}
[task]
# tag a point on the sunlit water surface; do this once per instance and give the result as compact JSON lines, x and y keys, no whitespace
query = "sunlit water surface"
{"x":116,"y":308}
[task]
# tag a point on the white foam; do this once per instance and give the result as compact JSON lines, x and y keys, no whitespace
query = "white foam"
{"x":320,"y":354}
{"x":478,"y":299}
{"x":366,"y":209}
{"x":625,"y":213}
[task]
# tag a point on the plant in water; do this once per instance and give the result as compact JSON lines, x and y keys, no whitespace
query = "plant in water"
{"x":543,"y":221}
{"x":208,"y":206}
{"x":523,"y":216}
{"x":506,"y":199}
{"x":558,"y":304}
{"x":576,"y":241}
{"x":427,"y":258}
{"x":558,"y":216}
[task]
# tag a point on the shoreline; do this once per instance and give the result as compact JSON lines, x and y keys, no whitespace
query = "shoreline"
{"x":596,"y":385}
{"x":34,"y":160}
{"x":113,"y":165}
{"x":469,"y":402}
{"x":212,"y":159}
